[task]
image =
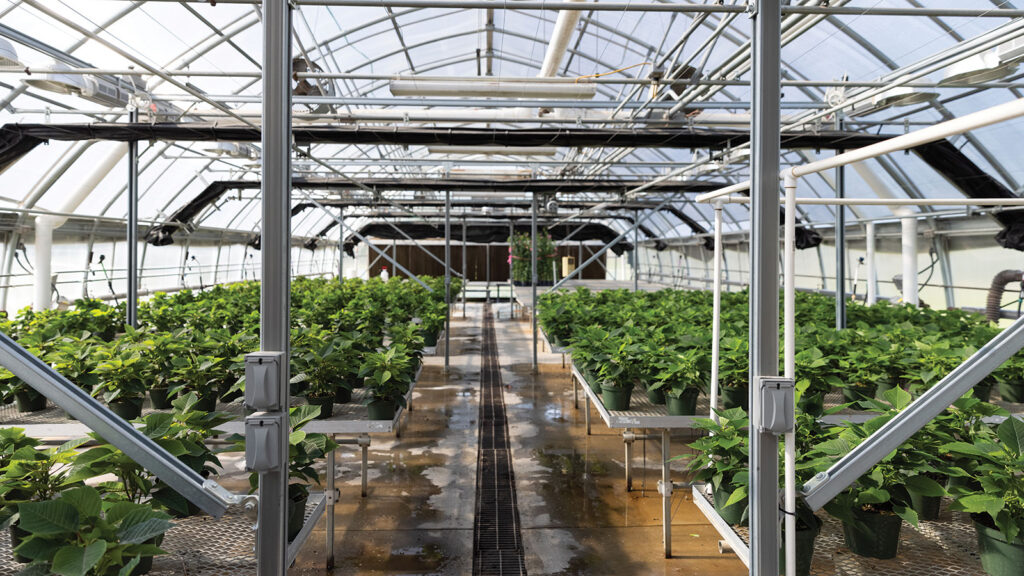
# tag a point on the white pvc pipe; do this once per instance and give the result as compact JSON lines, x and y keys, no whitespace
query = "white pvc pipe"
{"x":716,"y":322}
{"x":892,"y":202}
{"x":957,"y":126}
{"x":872,"y":277}
{"x":45,"y":225}
{"x":909,"y":237}
{"x":560,"y":37}
{"x":789,"y":324}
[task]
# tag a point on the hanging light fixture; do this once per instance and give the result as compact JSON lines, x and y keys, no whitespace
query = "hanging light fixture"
{"x":978,"y":69}
{"x":8,"y":55}
{"x":495,"y":88}
{"x":495,"y":150}
{"x":55,"y":81}
{"x":896,"y":97}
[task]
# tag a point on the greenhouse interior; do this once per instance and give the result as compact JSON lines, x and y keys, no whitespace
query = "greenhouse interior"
{"x":482,"y":287}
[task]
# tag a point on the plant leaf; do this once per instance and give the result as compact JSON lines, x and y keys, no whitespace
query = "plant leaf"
{"x":907,"y":514}
{"x":126,"y":570}
{"x":143,"y":531}
{"x":48,"y":518}
{"x":982,"y":503}
{"x":77,"y":560}
{"x":924,"y":486}
{"x":1011,"y":432}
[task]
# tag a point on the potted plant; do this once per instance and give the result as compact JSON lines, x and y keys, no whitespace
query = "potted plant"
{"x":121,"y":383}
{"x":997,"y":505}
{"x":193,"y":372}
{"x":32,"y":475}
{"x":733,"y":373}
{"x":721,"y":461}
{"x":874,"y":507}
{"x":684,"y":376}
{"x":387,"y":378}
{"x":620,"y":374}
{"x":305,"y":449}
{"x":590,"y":351}
{"x":76,"y":534}
{"x":319,"y":369}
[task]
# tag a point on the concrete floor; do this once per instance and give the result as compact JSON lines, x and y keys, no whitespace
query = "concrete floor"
{"x":575,"y":514}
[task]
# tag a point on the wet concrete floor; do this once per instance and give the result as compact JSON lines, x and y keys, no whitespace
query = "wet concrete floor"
{"x":576,"y":516}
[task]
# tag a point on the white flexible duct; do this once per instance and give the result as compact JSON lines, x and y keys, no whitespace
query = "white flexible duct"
{"x":560,"y":36}
{"x":45,"y":225}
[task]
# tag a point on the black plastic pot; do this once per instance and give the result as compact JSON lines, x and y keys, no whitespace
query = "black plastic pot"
{"x":145,"y":564}
{"x":874,"y":535}
{"x":342,"y":395}
{"x":983,"y":390}
{"x":430,"y":337}
{"x":616,"y":398}
{"x":1012,"y":391}
{"x":998,"y":557}
{"x":29,"y":401}
{"x":593,"y":382}
{"x":656,"y":396}
{"x":735,"y":398}
{"x":733,"y":514}
{"x":159,"y":399}
{"x":927,"y":507}
{"x":685,"y":404}
{"x":127,"y":408}
{"x":381,"y":410}
{"x":326,"y":405}
{"x":207,"y":403}
{"x":804,"y":549}
{"x":296,"y":515}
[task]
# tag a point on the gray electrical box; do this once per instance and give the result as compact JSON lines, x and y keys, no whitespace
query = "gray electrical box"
{"x":777,"y":405}
{"x":263,"y":441}
{"x":263,"y":380}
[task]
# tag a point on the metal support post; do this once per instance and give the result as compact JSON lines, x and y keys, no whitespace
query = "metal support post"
{"x":487,"y":264}
{"x":511,"y":281}
{"x":341,"y":245}
{"x":271,"y":538}
{"x":716,"y":315}
{"x":629,"y":459}
{"x":465,"y":276}
{"x":840,"y":246}
{"x":666,"y":494}
{"x":586,"y":416}
{"x":394,"y":254}
{"x":332,"y":498}
{"x":579,"y":259}
{"x":447,"y":279}
{"x":764,"y":283}
{"x":132,"y":239}
{"x":872,"y":277}
{"x":909,"y":236}
{"x":365,"y":445}
{"x":533,"y":273}
{"x":636,"y":250}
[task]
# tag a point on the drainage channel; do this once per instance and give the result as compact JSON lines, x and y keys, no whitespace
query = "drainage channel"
{"x":497,"y":542}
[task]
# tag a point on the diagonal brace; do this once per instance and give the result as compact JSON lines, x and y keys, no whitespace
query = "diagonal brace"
{"x":826,"y":485}
{"x":206,"y":494}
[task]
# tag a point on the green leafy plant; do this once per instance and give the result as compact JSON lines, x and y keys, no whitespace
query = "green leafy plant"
{"x":388,"y":374}
{"x":999,"y":500}
{"x":77,"y":534}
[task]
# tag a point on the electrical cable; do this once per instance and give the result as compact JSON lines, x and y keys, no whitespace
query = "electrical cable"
{"x":199,"y":271}
{"x":110,"y":281}
{"x":929,"y":268}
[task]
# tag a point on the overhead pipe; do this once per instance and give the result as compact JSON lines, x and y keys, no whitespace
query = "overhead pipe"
{"x":46,"y":224}
{"x":994,"y":305}
{"x":560,"y":37}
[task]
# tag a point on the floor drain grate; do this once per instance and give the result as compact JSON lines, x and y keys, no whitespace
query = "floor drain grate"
{"x":497,"y":544}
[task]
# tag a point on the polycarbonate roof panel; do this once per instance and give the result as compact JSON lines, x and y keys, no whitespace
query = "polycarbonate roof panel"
{"x":226,"y":39}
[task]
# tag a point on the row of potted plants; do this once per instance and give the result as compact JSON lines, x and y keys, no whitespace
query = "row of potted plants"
{"x":338,"y":328}
{"x":121,"y":525}
{"x":957,"y":456}
{"x":660,"y":342}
